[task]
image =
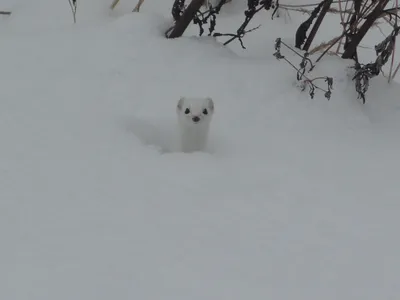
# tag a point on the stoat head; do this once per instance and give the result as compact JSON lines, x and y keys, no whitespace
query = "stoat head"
{"x":195,"y":110}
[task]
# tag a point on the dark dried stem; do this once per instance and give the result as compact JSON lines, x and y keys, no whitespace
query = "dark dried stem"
{"x":183,"y":22}
{"x":73,"y":5}
{"x":317,"y":24}
{"x":351,"y":48}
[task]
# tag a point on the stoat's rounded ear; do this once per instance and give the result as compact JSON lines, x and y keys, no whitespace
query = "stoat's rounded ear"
{"x":180,"y":103}
{"x":210,"y":104}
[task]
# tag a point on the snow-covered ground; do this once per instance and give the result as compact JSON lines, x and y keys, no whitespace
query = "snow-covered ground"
{"x":296,"y":198}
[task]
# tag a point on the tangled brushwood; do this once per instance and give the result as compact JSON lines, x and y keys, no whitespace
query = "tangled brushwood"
{"x":357,"y":17}
{"x":306,"y":65}
{"x":209,"y":17}
{"x":202,"y":18}
{"x":199,"y":18}
{"x":253,"y":7}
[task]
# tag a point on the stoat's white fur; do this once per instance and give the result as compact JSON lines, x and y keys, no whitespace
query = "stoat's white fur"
{"x":194,"y":118}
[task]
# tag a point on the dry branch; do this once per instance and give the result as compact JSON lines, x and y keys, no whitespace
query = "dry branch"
{"x":394,"y":47}
{"x":138,"y":5}
{"x":114,"y":4}
{"x":185,"y":19}
{"x":323,"y":45}
{"x":395,"y":72}
{"x":307,"y":11}
{"x":74,"y":7}
{"x":351,"y":48}
{"x":318,"y":22}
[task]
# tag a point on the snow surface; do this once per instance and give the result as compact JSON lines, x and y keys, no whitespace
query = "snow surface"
{"x":294,"y":199}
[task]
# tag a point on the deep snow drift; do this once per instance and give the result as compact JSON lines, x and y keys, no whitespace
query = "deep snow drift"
{"x":295,"y":198}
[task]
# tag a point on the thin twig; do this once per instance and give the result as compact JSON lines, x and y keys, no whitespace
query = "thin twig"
{"x":321,"y":46}
{"x":138,"y":5}
{"x":395,"y":72}
{"x":342,"y":19}
{"x":331,"y":10}
{"x":302,"y":70}
{"x":308,"y":5}
{"x":394,"y":46}
{"x":327,"y":49}
{"x":242,"y":29}
{"x":73,"y":5}
{"x":345,"y":25}
{"x":114,"y":4}
{"x":341,"y":11}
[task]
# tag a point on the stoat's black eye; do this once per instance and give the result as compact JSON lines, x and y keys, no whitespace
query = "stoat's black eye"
{"x":187,"y":111}
{"x":205,"y":112}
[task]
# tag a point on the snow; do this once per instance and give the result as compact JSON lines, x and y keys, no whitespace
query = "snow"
{"x":296,"y":198}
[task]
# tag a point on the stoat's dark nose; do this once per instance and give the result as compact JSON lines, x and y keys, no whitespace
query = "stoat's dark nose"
{"x":196,"y":119}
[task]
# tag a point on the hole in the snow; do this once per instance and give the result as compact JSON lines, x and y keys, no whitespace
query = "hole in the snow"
{"x":158,"y":134}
